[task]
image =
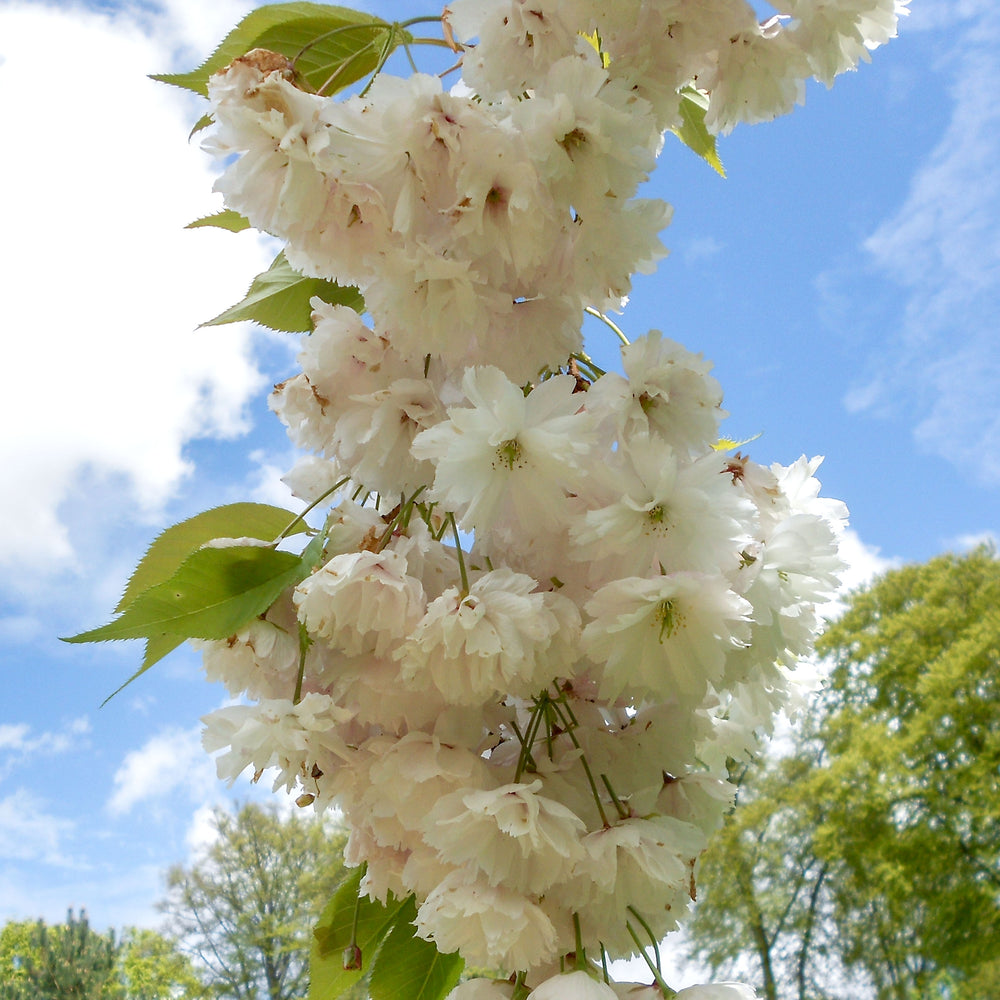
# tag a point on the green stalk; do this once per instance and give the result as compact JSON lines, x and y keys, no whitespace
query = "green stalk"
{"x":423,"y":19}
{"x":652,"y":937}
{"x":314,"y":504}
{"x":595,"y":371}
{"x":353,"y":957}
{"x":520,"y":989}
{"x":623,"y":812}
{"x":528,"y":739}
{"x":657,"y":978}
{"x":604,"y":319}
{"x":304,"y":643}
{"x":383,"y":58}
{"x":529,"y":760}
{"x":586,"y":767}
{"x":458,"y":552}
{"x":404,"y":511}
{"x":580,"y":956}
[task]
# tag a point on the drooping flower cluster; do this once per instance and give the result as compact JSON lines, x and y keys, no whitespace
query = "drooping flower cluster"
{"x":550,"y":607}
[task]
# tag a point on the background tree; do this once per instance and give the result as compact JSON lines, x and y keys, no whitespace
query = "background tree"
{"x":868,"y":862}
{"x":246,"y":909}
{"x":152,"y":968}
{"x":38,"y":961}
{"x":15,"y":945}
{"x":65,"y":961}
{"x":765,"y":912}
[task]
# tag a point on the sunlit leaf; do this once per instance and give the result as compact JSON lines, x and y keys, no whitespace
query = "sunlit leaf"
{"x":594,"y":38}
{"x":157,"y":647}
{"x":227,"y":219}
{"x":346,"y":919}
{"x":409,"y":968}
{"x":214,"y":593}
{"x":728,"y":444}
{"x":170,"y":548}
{"x":200,"y":125}
{"x":279,"y":299}
{"x":332,"y":46}
{"x":692,"y":131}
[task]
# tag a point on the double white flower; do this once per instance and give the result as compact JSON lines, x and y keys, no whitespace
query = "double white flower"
{"x":560,"y":607}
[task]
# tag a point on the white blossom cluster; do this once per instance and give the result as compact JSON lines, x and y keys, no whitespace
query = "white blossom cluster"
{"x":550,"y":607}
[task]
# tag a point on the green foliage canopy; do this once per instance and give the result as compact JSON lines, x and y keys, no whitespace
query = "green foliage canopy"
{"x":71,"y":960}
{"x":246,"y":909}
{"x":870,"y":855}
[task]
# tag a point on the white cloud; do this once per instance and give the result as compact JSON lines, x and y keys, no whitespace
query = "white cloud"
{"x":267,"y":486}
{"x":171,"y":761}
{"x":864,"y":562}
{"x":141,"y":704}
{"x":13,"y":737}
{"x":105,"y":374}
{"x":702,"y":248}
{"x":943,"y":248}
{"x":935,"y":15}
{"x":196,"y":27}
{"x":202,"y":832}
{"x":965,"y":543}
{"x":114,"y":896}
{"x":29,"y":833}
{"x":18,"y":743}
{"x":19,"y":630}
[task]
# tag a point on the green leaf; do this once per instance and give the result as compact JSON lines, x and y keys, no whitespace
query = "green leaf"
{"x":169,"y":550}
{"x":692,"y":131}
{"x":227,"y":219}
{"x":332,"y":47}
{"x":213,"y":595}
{"x":335,"y":931}
{"x":409,"y":968}
{"x":161,"y":644}
{"x":279,"y":299}
{"x":202,"y":123}
{"x":157,"y":647}
{"x":730,"y":444}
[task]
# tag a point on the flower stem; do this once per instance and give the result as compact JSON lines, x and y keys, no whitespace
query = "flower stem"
{"x":353,"y":958}
{"x":657,"y":977}
{"x":623,"y":811}
{"x":423,"y":19}
{"x":585,"y":362}
{"x":569,"y":727}
{"x":399,"y":518}
{"x":383,"y":58}
{"x":301,"y":517}
{"x":459,"y":554}
{"x":525,"y":758}
{"x":304,"y":643}
{"x":580,"y":958}
{"x":652,"y":937}
{"x":520,"y":988}
{"x":604,"y":319}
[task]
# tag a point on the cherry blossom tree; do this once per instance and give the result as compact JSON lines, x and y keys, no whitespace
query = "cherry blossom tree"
{"x":545,"y":602}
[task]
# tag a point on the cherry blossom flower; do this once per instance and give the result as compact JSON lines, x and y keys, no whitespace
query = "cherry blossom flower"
{"x":509,"y":460}
{"x":516,"y":836}
{"x":491,"y":925}
{"x":550,"y":603}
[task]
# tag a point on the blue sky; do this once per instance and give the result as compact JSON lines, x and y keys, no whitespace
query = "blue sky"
{"x":844,"y":278}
